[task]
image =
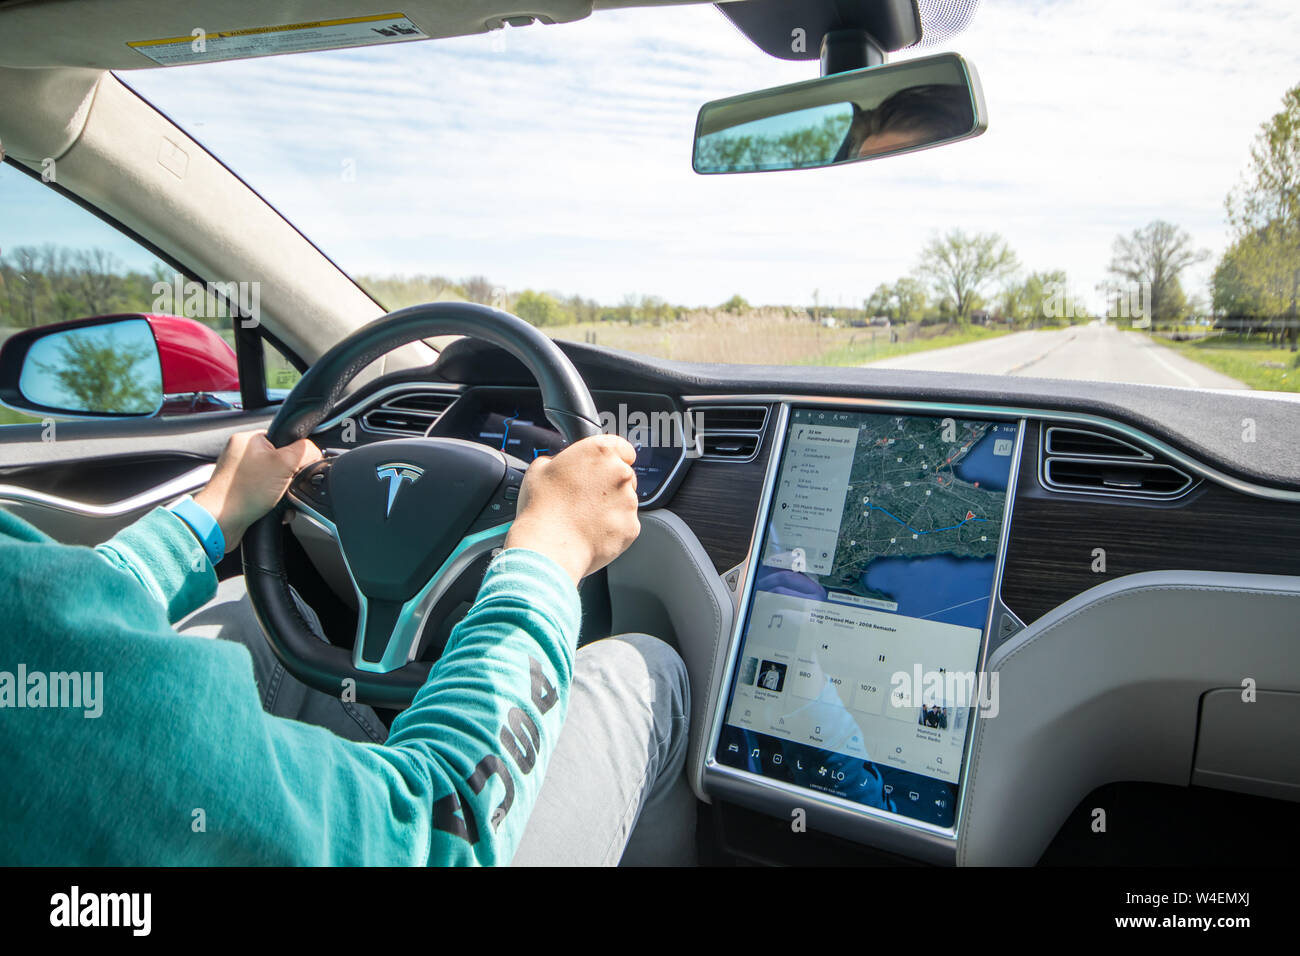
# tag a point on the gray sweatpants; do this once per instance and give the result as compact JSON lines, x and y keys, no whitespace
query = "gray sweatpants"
{"x":614,"y":790}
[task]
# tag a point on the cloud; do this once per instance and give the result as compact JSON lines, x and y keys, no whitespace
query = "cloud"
{"x":558,"y":157}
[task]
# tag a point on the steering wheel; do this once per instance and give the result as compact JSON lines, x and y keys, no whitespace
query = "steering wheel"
{"x":409,"y":515}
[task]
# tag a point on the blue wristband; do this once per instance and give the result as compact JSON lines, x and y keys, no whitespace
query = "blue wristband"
{"x":203,"y":525}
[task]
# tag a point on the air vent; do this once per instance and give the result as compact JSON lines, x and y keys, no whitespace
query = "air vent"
{"x":1077,"y":442}
{"x":408,"y":413}
{"x":727,"y":418}
{"x":730,"y":447}
{"x":1092,"y":462}
{"x":429,"y":403}
{"x":731,"y":433}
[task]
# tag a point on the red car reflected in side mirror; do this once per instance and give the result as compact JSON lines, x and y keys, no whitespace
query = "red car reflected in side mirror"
{"x":112,"y":366}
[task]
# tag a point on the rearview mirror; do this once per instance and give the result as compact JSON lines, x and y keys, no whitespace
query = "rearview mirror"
{"x":842,"y":118}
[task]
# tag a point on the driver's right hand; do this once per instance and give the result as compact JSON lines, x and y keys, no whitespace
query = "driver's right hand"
{"x":579,"y":508}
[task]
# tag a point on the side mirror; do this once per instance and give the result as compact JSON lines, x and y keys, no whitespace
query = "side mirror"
{"x":118,"y":366}
{"x":842,"y":118}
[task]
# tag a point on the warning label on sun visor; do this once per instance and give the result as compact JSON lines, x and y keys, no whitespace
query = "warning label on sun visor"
{"x":203,"y":46}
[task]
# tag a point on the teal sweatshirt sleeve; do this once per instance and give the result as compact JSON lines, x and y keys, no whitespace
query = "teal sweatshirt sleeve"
{"x":174,"y":761}
{"x":163,"y":556}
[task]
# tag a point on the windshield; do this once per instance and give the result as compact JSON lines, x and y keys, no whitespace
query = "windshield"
{"x":1120,"y":220}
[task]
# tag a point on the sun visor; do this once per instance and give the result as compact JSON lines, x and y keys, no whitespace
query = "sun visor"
{"x":140,"y":34}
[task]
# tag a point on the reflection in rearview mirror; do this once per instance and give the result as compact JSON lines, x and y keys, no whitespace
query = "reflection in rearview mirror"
{"x":842,"y":118}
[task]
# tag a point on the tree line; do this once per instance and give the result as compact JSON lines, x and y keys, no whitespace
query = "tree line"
{"x":51,"y":283}
{"x":534,"y":306}
{"x":960,"y":278}
{"x":1256,"y":283}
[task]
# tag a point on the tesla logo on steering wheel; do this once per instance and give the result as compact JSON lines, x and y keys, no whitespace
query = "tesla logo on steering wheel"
{"x":395,"y":473}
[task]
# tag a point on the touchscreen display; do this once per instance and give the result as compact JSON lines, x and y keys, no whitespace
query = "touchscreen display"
{"x":856,"y":670}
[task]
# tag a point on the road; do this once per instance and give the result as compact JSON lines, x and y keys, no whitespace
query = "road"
{"x":1092,"y":352}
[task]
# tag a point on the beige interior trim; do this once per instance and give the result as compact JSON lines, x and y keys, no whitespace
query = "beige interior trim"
{"x":53,"y":33}
{"x":56,"y":103}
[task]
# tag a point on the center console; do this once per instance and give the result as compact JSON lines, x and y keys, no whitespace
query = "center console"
{"x":853,"y":675}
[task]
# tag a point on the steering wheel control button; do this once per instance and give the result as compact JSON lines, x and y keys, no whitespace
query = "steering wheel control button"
{"x":503,"y":505}
{"x":311,"y":487}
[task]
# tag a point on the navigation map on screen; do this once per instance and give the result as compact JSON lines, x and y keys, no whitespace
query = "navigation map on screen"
{"x":856,"y":672}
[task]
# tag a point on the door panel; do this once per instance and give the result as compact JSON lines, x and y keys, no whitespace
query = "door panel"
{"x":94,"y":478}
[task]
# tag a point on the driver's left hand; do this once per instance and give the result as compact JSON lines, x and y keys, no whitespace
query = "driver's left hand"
{"x":251,"y":476}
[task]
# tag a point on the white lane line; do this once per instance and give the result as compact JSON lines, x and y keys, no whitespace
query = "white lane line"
{"x":1153,"y":351}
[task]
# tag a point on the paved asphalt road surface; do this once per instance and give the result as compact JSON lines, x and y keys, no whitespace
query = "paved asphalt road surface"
{"x":1092,"y":352}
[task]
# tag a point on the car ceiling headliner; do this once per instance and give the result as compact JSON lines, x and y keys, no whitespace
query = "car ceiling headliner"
{"x":95,"y":33}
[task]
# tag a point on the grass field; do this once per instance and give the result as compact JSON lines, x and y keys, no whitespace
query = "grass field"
{"x":864,"y":353}
{"x":1250,"y":361}
{"x":10,"y":417}
{"x":766,"y":339}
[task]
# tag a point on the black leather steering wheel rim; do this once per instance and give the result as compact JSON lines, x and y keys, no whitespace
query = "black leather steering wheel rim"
{"x":565,"y":398}
{"x":564,"y":393}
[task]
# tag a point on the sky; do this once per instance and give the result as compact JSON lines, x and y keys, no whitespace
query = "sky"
{"x":558,"y":157}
